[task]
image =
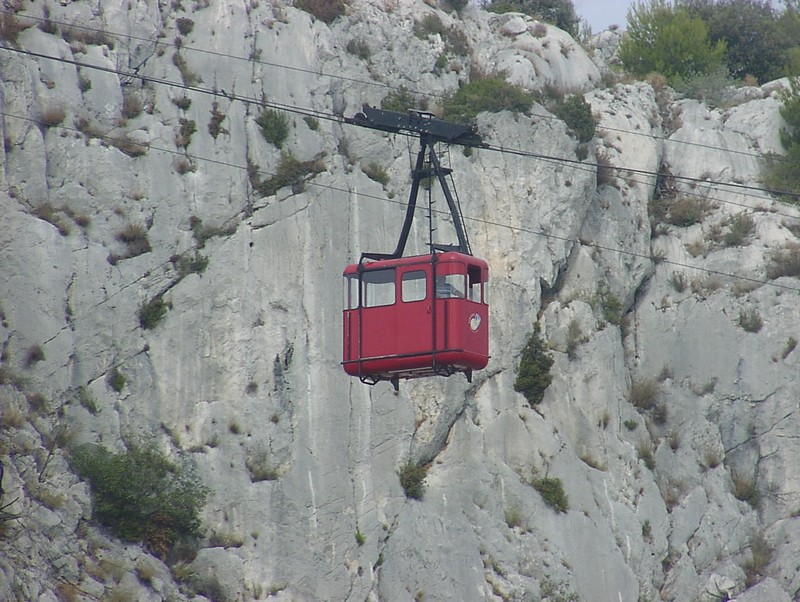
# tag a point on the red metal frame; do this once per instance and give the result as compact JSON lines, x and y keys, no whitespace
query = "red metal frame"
{"x":391,"y":338}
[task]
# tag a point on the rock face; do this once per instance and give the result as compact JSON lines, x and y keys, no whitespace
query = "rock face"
{"x":134,"y":170}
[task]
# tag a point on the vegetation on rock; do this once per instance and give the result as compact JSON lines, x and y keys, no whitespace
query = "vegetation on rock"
{"x":152,"y":312}
{"x":577,"y":114}
{"x":326,"y":11}
{"x":560,"y":13}
{"x":274,"y":126}
{"x":689,"y":41}
{"x":141,"y":496}
{"x":491,"y":94}
{"x":760,"y":41}
{"x":667,"y":39}
{"x":412,"y":479}
{"x":552,"y":492}
{"x":533,"y":375}
{"x":783,"y":173}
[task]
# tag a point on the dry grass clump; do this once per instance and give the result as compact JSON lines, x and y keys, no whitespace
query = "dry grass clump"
{"x":259,"y":466}
{"x":53,"y":215}
{"x":760,"y":557}
{"x":76,"y":36}
{"x":135,"y":238}
{"x":785,"y":262}
{"x":605,"y":169}
{"x":744,"y":489}
{"x":132,"y":105}
{"x":11,"y":26}
{"x":644,"y":394}
{"x":52,"y":116}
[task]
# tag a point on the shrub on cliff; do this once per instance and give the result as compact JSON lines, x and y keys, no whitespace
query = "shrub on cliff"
{"x":491,"y":94}
{"x":533,"y":376}
{"x":141,"y":496}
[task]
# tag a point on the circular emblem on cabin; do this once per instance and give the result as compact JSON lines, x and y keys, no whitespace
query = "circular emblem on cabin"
{"x":474,"y":322}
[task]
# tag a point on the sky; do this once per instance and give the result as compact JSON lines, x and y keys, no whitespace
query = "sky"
{"x":602,"y":13}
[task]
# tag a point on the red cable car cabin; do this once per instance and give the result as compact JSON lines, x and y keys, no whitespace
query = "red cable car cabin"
{"x":425,"y":315}
{"x":416,"y":316}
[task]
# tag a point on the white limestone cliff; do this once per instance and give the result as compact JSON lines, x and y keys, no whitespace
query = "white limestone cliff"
{"x":246,"y":362}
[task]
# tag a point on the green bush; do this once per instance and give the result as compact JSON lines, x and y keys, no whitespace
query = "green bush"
{"x":713,"y":88}
{"x":577,"y":114}
{"x":429,"y":25}
{"x":202,"y":232}
{"x":152,"y":312}
{"x":666,"y":39}
{"x":609,"y":304}
{"x":558,"y":12}
{"x":533,"y":375}
{"x":492,"y":94}
{"x":412,"y":480}
{"x":191,"y":264}
{"x":686,"y":211}
{"x":750,"y":320}
{"x":116,"y":380}
{"x":740,"y":227}
{"x":290,"y":172}
{"x":359,"y":48}
{"x":552,"y":492}
{"x":400,"y":100}
{"x":274,"y":126}
{"x":791,"y":344}
{"x":141,"y":496}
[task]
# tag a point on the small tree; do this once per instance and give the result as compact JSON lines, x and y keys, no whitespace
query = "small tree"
{"x":783,"y":173}
{"x":533,"y":375}
{"x":667,"y":40}
{"x":755,"y":40}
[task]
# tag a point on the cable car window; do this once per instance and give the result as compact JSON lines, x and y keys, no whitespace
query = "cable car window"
{"x":378,"y":287}
{"x":474,"y":290}
{"x":450,"y":286}
{"x":351,"y":291}
{"x":414,"y":286}
{"x":486,"y":292}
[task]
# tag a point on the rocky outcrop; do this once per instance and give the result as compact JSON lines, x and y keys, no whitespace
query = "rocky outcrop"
{"x":132,"y":171}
